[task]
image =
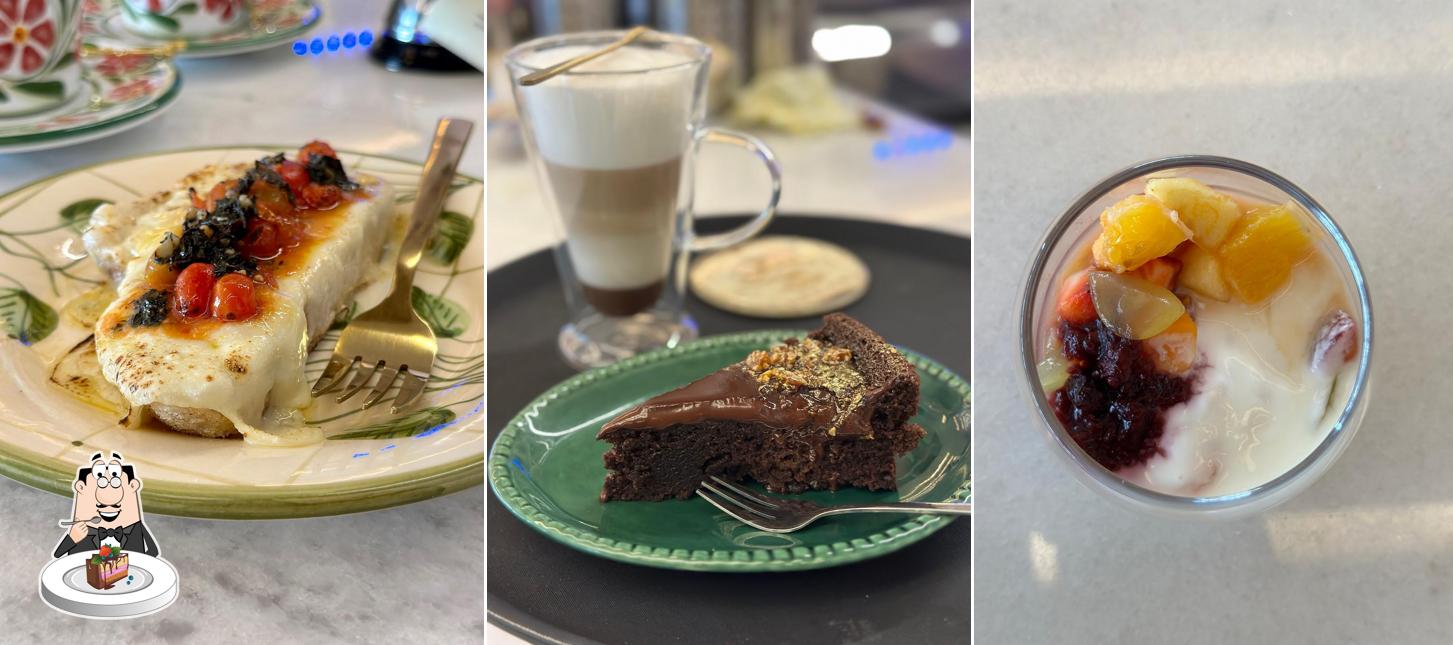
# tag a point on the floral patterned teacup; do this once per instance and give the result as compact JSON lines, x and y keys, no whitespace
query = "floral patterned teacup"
{"x":183,"y":18}
{"x":39,"y":66}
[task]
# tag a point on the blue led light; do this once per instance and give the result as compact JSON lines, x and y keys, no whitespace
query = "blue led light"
{"x":388,"y":447}
{"x":333,"y":43}
{"x":912,"y":145}
{"x":356,"y":455}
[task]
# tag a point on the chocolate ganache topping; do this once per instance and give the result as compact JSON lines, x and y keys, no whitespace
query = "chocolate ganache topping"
{"x":797,"y":384}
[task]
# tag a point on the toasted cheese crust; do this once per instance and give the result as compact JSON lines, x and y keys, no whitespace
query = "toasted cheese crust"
{"x":220,"y":378}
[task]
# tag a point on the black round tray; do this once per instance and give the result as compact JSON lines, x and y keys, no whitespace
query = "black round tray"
{"x":546,"y":592}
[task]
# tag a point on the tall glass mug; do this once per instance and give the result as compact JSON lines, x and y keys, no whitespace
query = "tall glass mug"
{"x":613,"y":142}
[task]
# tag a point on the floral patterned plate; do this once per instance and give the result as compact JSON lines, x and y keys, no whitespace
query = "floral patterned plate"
{"x":272,"y":23}
{"x":369,"y":460}
{"x":117,"y":93}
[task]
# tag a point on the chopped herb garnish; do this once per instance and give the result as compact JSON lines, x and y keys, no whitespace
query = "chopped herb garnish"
{"x":264,"y":171}
{"x":329,"y":172}
{"x":150,"y":309}
{"x":213,"y":237}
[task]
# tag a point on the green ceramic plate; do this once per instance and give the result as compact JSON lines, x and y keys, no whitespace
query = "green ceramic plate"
{"x":546,"y":468}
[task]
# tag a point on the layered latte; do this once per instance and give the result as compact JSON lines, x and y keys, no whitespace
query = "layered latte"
{"x":612,"y":144}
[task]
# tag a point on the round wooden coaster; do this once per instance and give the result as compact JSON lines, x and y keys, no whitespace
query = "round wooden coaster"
{"x":780,"y":276}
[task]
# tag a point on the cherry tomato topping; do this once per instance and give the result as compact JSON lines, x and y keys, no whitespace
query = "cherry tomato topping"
{"x":295,"y":174}
{"x":271,"y":202}
{"x":315,"y":147}
{"x":218,"y":192}
{"x":261,"y":241}
{"x":321,"y":197}
{"x":233,"y":299}
{"x":193,"y":290}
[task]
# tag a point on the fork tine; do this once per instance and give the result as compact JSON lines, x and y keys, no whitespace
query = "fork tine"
{"x":381,"y":388}
{"x":760,"y":499}
{"x":333,"y":375}
{"x":410,"y":389}
{"x":744,"y":504}
{"x":729,"y":506}
{"x":360,"y":380}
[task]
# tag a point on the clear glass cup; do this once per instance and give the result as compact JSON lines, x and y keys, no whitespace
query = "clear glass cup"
{"x":614,"y":145}
{"x":1068,"y":240}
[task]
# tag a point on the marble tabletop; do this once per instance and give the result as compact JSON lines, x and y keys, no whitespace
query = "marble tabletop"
{"x":415,"y":572}
{"x":1353,"y":104}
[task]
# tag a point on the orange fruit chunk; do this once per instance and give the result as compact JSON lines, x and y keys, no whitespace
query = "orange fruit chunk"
{"x":1208,"y":214}
{"x":1136,"y":230}
{"x":1174,"y":350}
{"x":1257,"y":258}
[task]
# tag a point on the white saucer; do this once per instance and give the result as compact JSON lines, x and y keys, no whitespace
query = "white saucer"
{"x":151,"y":587}
{"x":118,"y":93}
{"x":272,"y":23}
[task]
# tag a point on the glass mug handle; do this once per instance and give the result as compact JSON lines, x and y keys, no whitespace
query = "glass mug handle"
{"x":751,"y":228}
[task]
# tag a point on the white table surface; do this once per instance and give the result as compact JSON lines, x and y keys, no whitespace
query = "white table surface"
{"x":1353,"y":104}
{"x":413,"y":573}
{"x":831,"y":174}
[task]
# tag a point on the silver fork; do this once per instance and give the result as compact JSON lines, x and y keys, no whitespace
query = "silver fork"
{"x":780,"y":515}
{"x":391,"y":339}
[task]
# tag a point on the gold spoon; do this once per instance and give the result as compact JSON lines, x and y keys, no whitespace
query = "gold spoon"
{"x":535,"y":78}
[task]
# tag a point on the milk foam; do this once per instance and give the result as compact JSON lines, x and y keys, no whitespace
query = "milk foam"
{"x":611,"y":121}
{"x":1258,"y":409}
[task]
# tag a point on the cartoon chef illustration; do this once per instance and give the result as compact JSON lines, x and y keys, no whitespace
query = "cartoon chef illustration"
{"x":106,"y":510}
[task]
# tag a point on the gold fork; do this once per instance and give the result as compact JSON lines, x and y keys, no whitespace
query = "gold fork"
{"x":391,"y":339}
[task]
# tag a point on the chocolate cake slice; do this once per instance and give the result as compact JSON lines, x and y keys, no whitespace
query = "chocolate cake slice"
{"x":823,"y":412}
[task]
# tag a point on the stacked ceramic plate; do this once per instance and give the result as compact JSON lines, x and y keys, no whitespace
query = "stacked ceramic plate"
{"x":72,"y":71}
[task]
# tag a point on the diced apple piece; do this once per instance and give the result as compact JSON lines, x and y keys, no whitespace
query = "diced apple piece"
{"x":1174,"y":350}
{"x":1201,"y":273}
{"x":1336,"y":343}
{"x":1133,"y":307}
{"x":1209,"y":214}
{"x":1075,"y":304}
{"x":1162,"y":271}
{"x":1258,"y":257}
{"x":1136,"y":230}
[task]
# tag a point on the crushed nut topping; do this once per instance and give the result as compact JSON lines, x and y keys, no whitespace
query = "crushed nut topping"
{"x":809,"y":366}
